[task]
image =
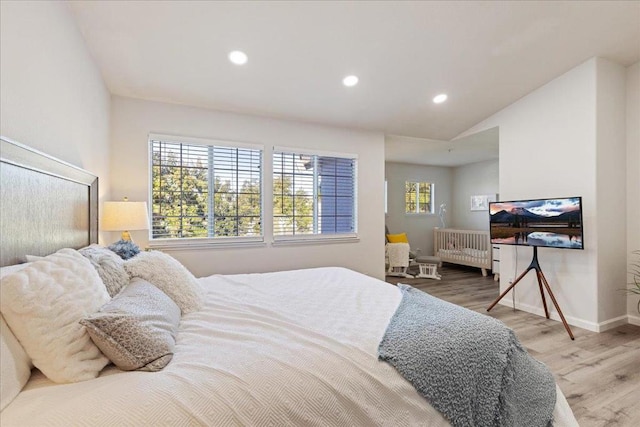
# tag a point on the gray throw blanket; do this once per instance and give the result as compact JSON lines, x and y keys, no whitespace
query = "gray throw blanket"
{"x":469,"y":366}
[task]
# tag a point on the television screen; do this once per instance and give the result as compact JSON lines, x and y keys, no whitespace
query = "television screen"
{"x":555,"y":223}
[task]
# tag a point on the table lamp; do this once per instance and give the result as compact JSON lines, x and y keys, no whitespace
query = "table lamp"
{"x":124,"y":216}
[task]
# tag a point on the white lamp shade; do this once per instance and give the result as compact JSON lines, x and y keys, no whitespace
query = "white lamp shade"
{"x":125,"y":216}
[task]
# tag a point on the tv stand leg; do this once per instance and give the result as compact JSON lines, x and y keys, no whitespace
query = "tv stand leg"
{"x":541,"y":281}
{"x":555,"y":303}
{"x":515,"y":282}
{"x":539,"y":275}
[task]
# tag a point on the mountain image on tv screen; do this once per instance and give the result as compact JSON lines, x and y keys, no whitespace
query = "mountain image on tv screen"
{"x":553,"y":223}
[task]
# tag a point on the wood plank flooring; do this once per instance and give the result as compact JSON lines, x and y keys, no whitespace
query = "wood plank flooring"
{"x":599,"y":373}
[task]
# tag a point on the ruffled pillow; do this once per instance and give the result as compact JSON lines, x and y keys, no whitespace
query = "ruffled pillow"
{"x":43,"y":305}
{"x":170,"y":276}
{"x":15,"y":365}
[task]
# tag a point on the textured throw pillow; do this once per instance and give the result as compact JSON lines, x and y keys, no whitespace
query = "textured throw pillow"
{"x":137,"y":328}
{"x":397,"y":238}
{"x":170,"y":276}
{"x":43,"y":305}
{"x":110,"y":267}
{"x":15,"y":365}
{"x":10,"y":269}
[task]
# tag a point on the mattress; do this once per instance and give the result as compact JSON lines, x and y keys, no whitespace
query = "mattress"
{"x":466,"y":252}
{"x":284,"y":348}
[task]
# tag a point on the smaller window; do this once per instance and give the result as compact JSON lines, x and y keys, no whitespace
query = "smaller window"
{"x":314,"y":194}
{"x":418,"y":197}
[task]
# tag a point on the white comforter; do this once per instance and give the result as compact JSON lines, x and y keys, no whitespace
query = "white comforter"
{"x":285,"y":348}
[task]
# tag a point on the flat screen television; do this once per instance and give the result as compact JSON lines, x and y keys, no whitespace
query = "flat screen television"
{"x":555,"y":223}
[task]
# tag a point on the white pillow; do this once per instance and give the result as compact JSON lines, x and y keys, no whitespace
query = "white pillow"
{"x":15,"y":365}
{"x":110,"y":267}
{"x":10,"y":269}
{"x":170,"y":276}
{"x":137,"y":329}
{"x":43,"y":305}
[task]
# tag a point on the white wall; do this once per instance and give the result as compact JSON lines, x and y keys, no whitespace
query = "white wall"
{"x":611,"y":193}
{"x":419,"y":227}
{"x":453,"y":186}
{"x":473,"y":179}
{"x":133,"y":120}
{"x":633,"y":178}
{"x":52,"y":96}
{"x":549,"y":146}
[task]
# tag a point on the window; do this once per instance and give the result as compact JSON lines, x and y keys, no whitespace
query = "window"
{"x":313,"y":194}
{"x":205,"y":191}
{"x":385,"y":198}
{"x":417,"y":197}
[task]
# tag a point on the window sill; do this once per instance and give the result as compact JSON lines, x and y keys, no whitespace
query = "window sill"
{"x":193,"y":244}
{"x":307,"y":240}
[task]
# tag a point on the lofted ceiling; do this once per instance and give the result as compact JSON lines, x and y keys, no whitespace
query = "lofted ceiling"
{"x":484,"y":55}
{"x":477,"y":147}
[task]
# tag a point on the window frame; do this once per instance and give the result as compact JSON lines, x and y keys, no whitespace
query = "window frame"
{"x":314,"y":238}
{"x":418,"y":184}
{"x":203,"y":242}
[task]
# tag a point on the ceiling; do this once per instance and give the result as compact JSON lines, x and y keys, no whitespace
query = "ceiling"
{"x":484,"y":55}
{"x":478,"y":147}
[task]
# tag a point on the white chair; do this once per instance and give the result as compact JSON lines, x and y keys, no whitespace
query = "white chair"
{"x":397,"y":258}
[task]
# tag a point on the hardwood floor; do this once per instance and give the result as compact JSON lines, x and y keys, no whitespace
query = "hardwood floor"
{"x":599,"y":373}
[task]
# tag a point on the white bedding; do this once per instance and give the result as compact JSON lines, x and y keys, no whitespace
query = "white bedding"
{"x":284,"y":348}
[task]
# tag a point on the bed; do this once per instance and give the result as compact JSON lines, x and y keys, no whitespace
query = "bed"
{"x":282,"y":348}
{"x":464,"y":247}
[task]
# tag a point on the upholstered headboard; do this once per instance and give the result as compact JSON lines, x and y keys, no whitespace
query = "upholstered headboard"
{"x":45,"y":204}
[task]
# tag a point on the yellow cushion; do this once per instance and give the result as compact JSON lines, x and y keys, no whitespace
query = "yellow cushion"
{"x":397,"y":238}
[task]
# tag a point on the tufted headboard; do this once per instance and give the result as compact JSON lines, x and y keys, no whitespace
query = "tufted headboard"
{"x":45,"y":204}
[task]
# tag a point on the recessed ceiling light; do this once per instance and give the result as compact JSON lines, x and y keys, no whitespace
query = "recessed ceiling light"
{"x":439,"y":99}
{"x":350,"y":81}
{"x":238,"y":57}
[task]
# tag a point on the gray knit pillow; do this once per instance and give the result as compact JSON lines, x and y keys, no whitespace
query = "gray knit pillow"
{"x":136,"y":330}
{"x":110,"y":267}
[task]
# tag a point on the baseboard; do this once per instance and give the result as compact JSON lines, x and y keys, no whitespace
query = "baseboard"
{"x":634,"y":320}
{"x":613,"y":323}
{"x":573,"y":321}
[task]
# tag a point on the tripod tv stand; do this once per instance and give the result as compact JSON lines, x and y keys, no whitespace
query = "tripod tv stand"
{"x":541,"y":281}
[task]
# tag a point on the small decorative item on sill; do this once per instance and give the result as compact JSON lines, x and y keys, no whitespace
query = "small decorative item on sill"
{"x":125,"y":249}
